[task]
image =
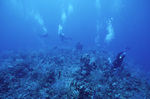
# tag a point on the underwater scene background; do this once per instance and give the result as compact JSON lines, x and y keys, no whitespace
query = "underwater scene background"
{"x":65,"y":49}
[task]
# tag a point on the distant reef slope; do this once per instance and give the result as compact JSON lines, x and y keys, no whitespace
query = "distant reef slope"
{"x":63,"y":73}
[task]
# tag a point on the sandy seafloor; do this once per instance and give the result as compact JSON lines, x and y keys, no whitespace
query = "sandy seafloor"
{"x":64,"y":73}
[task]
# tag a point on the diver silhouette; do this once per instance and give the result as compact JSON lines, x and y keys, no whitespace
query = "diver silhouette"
{"x":44,"y":35}
{"x":63,"y":38}
{"x":119,"y":59}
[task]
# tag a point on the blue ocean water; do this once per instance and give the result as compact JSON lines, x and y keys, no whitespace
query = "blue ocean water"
{"x":23,"y":22}
{"x":39,"y":56}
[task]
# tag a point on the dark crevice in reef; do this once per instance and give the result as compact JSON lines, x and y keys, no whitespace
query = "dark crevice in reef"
{"x":62,"y":73}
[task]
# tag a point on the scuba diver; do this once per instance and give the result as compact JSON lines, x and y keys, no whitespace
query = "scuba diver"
{"x":79,"y":46}
{"x":44,"y":35}
{"x":117,"y":63}
{"x":63,"y":38}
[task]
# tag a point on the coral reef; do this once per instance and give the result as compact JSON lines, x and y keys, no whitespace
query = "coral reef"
{"x":63,"y":73}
